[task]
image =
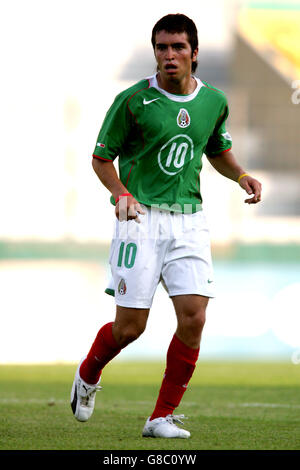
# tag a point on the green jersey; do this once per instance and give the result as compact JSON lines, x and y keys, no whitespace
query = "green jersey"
{"x":160,"y":138}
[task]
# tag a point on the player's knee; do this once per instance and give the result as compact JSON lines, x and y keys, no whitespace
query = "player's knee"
{"x":198,"y":321}
{"x":128,"y":334}
{"x":196,"y":317}
{"x":190,"y":328}
{"x":194,"y":321}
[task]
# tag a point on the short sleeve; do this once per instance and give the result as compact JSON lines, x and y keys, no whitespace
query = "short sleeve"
{"x":220,"y":140}
{"x":114,"y":130}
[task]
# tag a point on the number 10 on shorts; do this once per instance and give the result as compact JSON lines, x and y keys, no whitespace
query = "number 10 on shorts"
{"x":127,"y":255}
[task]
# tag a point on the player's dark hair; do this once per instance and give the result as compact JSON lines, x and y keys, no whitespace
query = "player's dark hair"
{"x":178,"y":23}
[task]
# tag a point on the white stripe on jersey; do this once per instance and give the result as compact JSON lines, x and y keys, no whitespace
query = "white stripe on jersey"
{"x":180,"y":98}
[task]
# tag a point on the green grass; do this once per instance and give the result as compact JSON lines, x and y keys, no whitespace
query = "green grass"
{"x":245,"y":406}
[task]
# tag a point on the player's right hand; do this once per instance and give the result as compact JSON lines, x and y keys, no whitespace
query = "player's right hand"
{"x":128,"y":208}
{"x":252,"y":187}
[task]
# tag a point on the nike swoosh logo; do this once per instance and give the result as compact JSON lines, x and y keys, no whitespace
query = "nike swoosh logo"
{"x":151,"y":101}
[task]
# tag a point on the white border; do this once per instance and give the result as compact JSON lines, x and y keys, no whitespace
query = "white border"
{"x":179,"y":98}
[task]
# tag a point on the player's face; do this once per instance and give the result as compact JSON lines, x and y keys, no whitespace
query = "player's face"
{"x":174,"y":56}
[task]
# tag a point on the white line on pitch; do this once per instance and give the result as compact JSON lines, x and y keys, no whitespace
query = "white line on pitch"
{"x":263,"y":405}
{"x":31,"y":400}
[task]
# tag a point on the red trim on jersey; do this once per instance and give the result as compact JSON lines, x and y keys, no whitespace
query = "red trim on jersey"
{"x":213,"y":89}
{"x":221,"y":115}
{"x":218,"y":91}
{"x":223,"y":151}
{"x":138,"y":91}
{"x":129,"y":174}
{"x":134,"y":117}
{"x":101,"y":158}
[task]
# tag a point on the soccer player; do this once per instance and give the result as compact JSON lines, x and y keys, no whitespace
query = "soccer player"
{"x":159,"y":129}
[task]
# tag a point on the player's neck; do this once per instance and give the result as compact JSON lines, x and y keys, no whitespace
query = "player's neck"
{"x":186,"y":86}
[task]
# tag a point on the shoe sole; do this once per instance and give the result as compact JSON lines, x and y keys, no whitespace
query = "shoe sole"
{"x":165,"y":437}
{"x":148,"y":432}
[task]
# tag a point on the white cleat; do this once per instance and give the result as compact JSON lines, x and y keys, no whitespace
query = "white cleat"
{"x":165,"y":427}
{"x":83,"y":397}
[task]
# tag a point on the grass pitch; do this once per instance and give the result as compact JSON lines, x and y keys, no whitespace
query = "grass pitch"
{"x":230,"y":406}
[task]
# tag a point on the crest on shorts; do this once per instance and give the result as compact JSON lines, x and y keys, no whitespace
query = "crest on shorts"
{"x":122,"y":287}
{"x":183,"y":118}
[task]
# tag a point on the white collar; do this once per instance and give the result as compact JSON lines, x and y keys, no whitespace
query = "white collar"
{"x":171,"y":96}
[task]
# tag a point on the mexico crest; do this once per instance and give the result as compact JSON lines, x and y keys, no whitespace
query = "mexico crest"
{"x":122,"y":287}
{"x":183,"y":118}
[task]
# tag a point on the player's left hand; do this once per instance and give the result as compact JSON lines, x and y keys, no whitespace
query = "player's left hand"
{"x":252,"y":187}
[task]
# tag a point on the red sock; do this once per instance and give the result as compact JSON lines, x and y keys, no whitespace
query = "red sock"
{"x":103,"y":350}
{"x":181,"y":363}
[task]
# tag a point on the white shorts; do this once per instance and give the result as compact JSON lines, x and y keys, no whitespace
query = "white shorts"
{"x":167,"y":247}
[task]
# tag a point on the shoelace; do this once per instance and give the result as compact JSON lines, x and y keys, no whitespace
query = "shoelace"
{"x":176,"y":418}
{"x":89,"y":394}
{"x":94,"y":390}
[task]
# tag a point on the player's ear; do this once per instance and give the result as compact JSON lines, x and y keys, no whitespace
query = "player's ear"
{"x":195,"y":54}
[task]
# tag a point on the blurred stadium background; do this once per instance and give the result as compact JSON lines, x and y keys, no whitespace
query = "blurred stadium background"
{"x":62,"y":64}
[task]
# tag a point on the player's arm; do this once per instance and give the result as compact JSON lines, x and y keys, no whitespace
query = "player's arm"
{"x":127,"y":207}
{"x":226,"y":164}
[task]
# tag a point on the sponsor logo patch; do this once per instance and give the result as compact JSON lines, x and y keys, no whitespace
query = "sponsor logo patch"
{"x":149,"y":101}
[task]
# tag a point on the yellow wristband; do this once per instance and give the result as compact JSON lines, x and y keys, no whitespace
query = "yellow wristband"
{"x":242,"y":176}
